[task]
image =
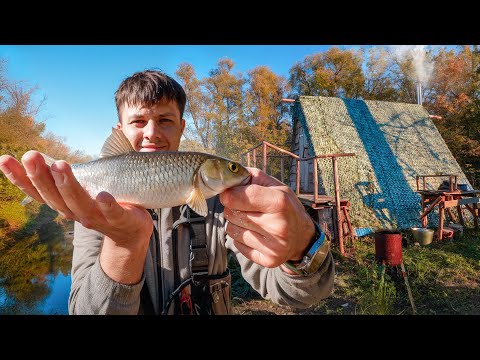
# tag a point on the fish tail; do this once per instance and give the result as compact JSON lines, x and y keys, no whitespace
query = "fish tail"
{"x":48,"y":160}
{"x":26,"y":201}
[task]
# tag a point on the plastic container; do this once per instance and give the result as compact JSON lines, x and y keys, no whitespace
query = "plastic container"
{"x":388,"y":247}
{"x":458,"y":230}
{"x":423,"y":236}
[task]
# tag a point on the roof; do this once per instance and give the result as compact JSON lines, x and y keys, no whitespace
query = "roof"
{"x":394,"y":142}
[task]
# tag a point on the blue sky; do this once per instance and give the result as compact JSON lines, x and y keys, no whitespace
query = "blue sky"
{"x":79,"y":81}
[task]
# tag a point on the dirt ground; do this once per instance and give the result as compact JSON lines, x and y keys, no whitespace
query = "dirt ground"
{"x":336,"y":304}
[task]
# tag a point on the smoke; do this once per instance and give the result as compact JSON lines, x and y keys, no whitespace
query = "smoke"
{"x":423,"y":67}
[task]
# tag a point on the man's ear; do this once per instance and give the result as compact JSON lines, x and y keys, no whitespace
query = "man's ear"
{"x":119,"y":125}
{"x":183,"y":125}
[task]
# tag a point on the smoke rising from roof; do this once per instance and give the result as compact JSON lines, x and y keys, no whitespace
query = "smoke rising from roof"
{"x":423,"y":66}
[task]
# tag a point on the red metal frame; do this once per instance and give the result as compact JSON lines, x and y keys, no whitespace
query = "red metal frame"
{"x":446,"y":200}
{"x":316,"y":197}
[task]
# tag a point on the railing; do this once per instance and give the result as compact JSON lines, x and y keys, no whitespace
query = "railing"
{"x":452,"y":180}
{"x":265,"y":145}
{"x":316,"y":197}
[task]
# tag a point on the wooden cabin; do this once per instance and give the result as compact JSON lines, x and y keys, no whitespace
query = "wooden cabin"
{"x":393,"y":143}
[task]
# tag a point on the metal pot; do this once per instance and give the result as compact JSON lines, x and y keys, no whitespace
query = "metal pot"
{"x":423,"y":236}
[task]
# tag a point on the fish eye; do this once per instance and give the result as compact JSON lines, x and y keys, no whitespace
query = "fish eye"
{"x":233,"y":167}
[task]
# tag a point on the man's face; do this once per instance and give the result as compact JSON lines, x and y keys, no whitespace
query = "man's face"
{"x":154,"y":128}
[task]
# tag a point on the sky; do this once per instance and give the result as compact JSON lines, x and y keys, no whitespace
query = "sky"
{"x":79,"y":81}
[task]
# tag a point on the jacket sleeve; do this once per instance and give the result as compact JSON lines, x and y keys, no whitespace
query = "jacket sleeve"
{"x":92,"y":291}
{"x":285,"y":289}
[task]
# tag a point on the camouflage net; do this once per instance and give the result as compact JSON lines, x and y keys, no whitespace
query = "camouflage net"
{"x":393,"y":143}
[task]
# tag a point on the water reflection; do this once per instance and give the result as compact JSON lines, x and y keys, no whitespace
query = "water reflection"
{"x":35,"y":267}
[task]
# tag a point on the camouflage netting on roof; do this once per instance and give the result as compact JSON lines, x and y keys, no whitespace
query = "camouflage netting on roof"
{"x":394,"y":142}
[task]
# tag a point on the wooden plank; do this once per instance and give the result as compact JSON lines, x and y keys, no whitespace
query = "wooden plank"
{"x":451,"y":203}
{"x":459,"y":202}
{"x":432,"y":206}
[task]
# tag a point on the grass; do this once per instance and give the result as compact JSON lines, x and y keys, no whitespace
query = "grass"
{"x":443,"y":278}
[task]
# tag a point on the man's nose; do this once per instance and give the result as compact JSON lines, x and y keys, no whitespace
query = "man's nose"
{"x":151,"y":130}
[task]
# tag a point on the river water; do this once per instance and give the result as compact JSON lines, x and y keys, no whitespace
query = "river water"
{"x":35,"y":270}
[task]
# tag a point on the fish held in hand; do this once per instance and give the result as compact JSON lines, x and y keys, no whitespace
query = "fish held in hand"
{"x":161,"y":179}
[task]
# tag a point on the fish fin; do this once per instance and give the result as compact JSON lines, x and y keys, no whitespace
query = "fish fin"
{"x":116,"y":144}
{"x":26,"y":201}
{"x":196,"y":200}
{"x":48,"y":160}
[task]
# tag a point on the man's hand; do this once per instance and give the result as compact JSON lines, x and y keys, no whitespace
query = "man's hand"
{"x":127,"y":227}
{"x":267,"y":222}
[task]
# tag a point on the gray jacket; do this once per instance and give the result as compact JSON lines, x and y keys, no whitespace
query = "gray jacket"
{"x":93,"y":292}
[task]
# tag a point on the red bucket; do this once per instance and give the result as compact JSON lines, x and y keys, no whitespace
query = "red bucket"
{"x":388,"y":247}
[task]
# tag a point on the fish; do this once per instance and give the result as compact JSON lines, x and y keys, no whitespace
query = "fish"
{"x":162,"y":179}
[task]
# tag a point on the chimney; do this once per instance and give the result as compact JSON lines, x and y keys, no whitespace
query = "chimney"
{"x":419,"y":93}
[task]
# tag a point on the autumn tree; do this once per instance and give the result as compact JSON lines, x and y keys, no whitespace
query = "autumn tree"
{"x":335,"y":72}
{"x":267,"y":116}
{"x":225,"y":89}
{"x":20,"y":131}
{"x":379,"y":84}
{"x":456,"y":98}
{"x":265,"y":112}
{"x":197,"y":107}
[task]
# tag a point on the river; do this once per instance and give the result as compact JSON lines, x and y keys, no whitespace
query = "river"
{"x":35,"y":269}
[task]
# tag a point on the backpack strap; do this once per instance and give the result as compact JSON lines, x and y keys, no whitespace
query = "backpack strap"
{"x":198,"y":245}
{"x":201,"y":294}
{"x":198,"y":255}
{"x":198,"y":240}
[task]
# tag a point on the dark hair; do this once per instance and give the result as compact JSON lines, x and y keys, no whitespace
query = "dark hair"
{"x":149,"y":87}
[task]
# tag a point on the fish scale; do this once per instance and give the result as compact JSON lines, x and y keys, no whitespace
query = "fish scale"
{"x":152,"y":180}
{"x":155,"y":180}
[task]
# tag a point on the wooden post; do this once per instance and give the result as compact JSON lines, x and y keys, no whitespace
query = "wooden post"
{"x":298,"y":177}
{"x":349,"y":224}
{"x":418,"y":184}
{"x":254,"y":158}
{"x":441,"y":214}
{"x":337,"y":206}
{"x":248,"y":159}
{"x":264,"y":167}
{"x":424,"y":207}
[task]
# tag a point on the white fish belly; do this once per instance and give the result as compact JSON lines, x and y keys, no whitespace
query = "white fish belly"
{"x":141,"y":178}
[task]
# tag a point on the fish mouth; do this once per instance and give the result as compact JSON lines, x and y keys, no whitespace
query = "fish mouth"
{"x":246,"y":181}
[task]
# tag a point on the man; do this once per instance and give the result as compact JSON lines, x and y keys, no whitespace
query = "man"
{"x":125,"y":263}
